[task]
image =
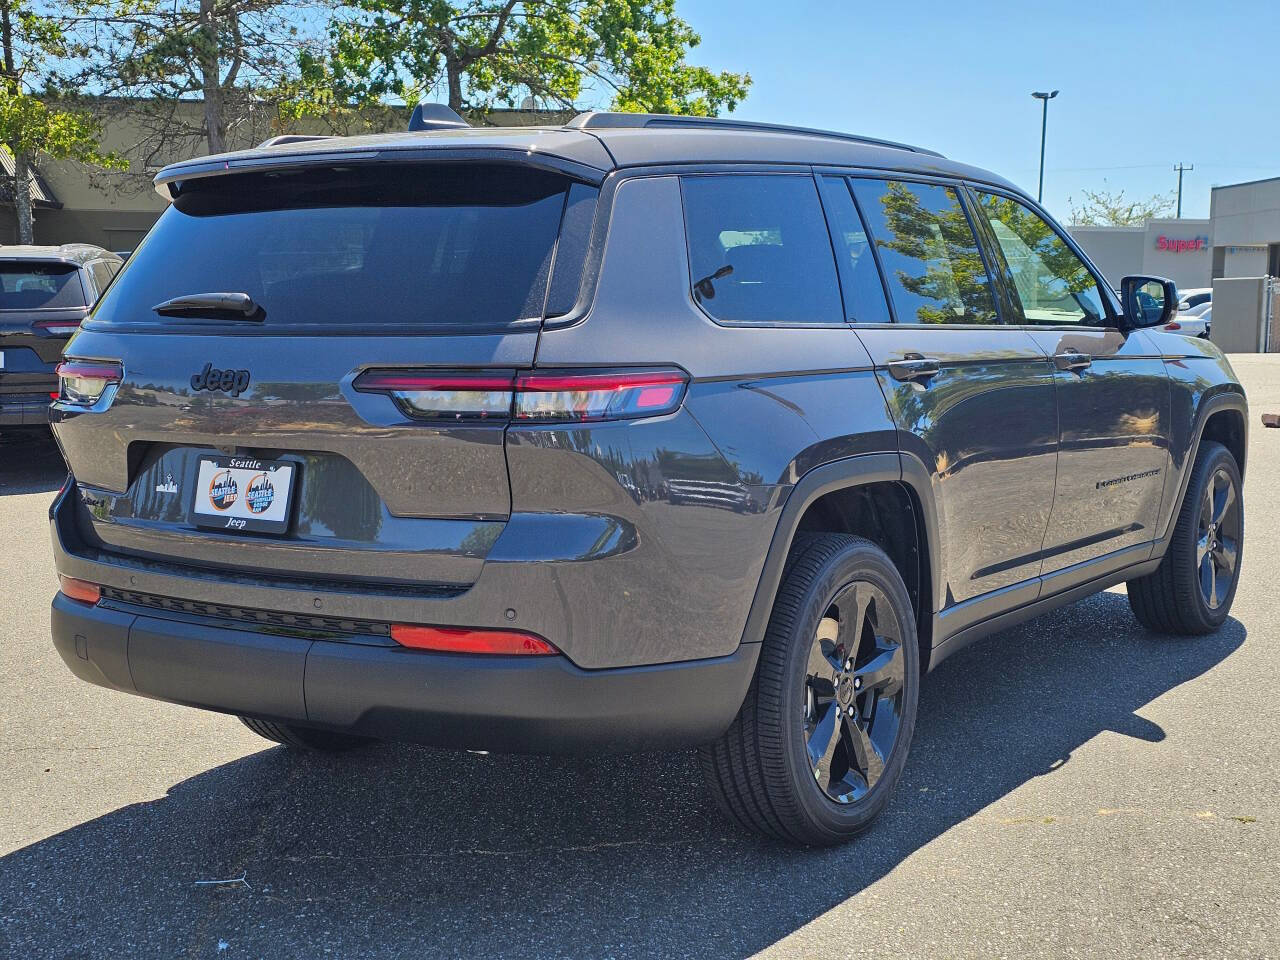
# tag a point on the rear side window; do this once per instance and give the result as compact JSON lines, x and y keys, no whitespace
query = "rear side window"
{"x":930,"y":256}
{"x":759,"y":251}
{"x":39,"y":286}
{"x":416,"y":246}
{"x":864,"y":300}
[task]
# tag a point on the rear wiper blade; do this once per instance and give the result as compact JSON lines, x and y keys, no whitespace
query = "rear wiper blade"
{"x":218,"y":306}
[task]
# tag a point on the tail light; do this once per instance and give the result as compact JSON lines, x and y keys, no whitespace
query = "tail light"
{"x":81,"y":590}
{"x":82,"y":382}
{"x":536,"y":397}
{"x":57,"y":328}
{"x":464,"y":640}
{"x":1173,"y":325}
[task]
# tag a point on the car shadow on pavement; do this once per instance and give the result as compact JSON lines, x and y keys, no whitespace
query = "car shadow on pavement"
{"x":405,"y":851}
{"x":30,"y":462}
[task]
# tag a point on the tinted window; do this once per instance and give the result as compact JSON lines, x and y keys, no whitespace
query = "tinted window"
{"x":1052,"y":284}
{"x":34,"y":286}
{"x":416,"y":246}
{"x":864,"y":299}
{"x":931,"y":260}
{"x":759,"y":250}
{"x":102,"y":272}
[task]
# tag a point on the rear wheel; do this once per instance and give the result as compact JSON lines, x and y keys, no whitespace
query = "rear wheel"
{"x":303,"y":738}
{"x":819,"y":744}
{"x":1192,"y":589}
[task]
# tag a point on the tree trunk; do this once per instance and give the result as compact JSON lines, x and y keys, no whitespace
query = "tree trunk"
{"x":211,"y":79}
{"x":22,"y":196}
{"x":454,"y":73}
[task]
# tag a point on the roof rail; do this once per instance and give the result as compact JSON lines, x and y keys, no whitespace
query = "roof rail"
{"x":292,"y":138}
{"x":435,"y":116}
{"x":601,"y":120}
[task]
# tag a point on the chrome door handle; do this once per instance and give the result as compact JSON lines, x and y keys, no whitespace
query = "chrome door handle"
{"x":914,"y":368}
{"x":1072,"y":360}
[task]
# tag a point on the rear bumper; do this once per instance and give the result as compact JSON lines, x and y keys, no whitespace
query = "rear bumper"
{"x":510,"y":704}
{"x":24,"y":410}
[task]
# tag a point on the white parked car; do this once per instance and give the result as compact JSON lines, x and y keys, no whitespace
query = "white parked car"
{"x":1194,"y":313}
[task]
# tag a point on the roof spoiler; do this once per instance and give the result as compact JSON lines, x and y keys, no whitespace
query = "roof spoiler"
{"x":435,"y":116}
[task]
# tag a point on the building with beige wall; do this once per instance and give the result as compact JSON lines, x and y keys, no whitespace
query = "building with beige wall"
{"x":74,"y":203}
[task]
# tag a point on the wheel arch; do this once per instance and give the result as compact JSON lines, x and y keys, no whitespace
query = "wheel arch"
{"x":870,"y":496}
{"x":1223,"y":417}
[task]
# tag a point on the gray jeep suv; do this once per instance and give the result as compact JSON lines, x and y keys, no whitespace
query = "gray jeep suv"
{"x":638,"y":432}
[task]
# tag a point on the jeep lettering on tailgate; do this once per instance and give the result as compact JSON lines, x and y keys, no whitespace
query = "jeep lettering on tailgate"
{"x":234,"y":382}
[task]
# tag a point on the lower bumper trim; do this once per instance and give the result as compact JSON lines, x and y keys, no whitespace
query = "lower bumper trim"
{"x":497,"y":703}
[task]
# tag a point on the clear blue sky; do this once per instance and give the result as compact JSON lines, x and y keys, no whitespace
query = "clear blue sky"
{"x":1143,"y":85}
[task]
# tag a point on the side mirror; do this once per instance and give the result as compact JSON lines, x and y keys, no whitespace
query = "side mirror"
{"x":1148,"y":301}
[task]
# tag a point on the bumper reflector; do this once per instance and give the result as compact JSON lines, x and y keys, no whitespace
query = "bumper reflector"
{"x":464,"y":640}
{"x":81,"y":590}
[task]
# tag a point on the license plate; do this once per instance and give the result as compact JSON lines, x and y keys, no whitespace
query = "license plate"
{"x":239,"y":493}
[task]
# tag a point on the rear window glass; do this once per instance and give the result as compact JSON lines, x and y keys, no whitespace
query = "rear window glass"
{"x":759,"y":251}
{"x":425,"y":245}
{"x":35,"y":286}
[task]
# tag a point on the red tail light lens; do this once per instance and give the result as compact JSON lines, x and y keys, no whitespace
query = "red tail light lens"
{"x":58,"y":328}
{"x":82,"y":382}
{"x":81,"y":590}
{"x":1173,"y":325}
{"x":463,"y":640}
{"x":598,"y":396}
{"x":560,"y":397}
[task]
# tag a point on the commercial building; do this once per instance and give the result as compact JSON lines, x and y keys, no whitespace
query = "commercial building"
{"x":1241,"y":238}
{"x":1178,"y":249}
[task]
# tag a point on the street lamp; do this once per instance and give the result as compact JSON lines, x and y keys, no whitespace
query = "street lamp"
{"x":1044,"y":123}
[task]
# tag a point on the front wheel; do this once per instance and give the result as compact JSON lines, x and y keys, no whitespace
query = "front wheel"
{"x":1192,"y":589}
{"x":821,"y":739}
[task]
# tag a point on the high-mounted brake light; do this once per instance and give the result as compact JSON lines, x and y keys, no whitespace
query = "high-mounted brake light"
{"x":58,"y":328}
{"x":82,"y":382}
{"x":464,"y":640}
{"x":81,"y":590}
{"x":538,"y":397}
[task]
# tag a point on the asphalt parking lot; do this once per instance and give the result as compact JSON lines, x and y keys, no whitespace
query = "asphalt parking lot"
{"x":1078,"y":787}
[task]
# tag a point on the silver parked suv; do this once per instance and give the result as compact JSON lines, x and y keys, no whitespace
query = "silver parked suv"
{"x":637,"y":432}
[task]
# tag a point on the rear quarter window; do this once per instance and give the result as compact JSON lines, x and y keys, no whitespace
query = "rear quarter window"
{"x":759,"y":251}
{"x":401,"y":246}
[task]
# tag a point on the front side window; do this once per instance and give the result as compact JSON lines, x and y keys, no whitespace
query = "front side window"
{"x":759,"y":251}
{"x":931,"y":259}
{"x":1052,"y":284}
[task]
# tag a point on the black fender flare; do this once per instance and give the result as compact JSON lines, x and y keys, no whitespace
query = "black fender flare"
{"x":1229,"y":397}
{"x":843,"y":474}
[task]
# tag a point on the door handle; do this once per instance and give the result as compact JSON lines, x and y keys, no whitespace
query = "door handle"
{"x":914,"y":368}
{"x":1072,"y":360}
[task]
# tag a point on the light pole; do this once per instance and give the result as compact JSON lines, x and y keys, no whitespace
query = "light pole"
{"x":1044,"y":125}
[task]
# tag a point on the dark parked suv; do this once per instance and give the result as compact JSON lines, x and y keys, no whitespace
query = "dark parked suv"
{"x":44,"y":294}
{"x":637,"y":432}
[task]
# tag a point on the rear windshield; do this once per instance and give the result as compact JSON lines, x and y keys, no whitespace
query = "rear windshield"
{"x":375,"y":245}
{"x":35,"y":286}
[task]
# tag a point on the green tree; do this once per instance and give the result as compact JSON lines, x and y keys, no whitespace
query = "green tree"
{"x":35,"y":37}
{"x":485,"y":53}
{"x":196,"y":76}
{"x":1102,"y":208}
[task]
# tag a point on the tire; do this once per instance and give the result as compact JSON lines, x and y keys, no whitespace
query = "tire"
{"x":760,"y":771}
{"x":1174,"y":598}
{"x":303,"y":738}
